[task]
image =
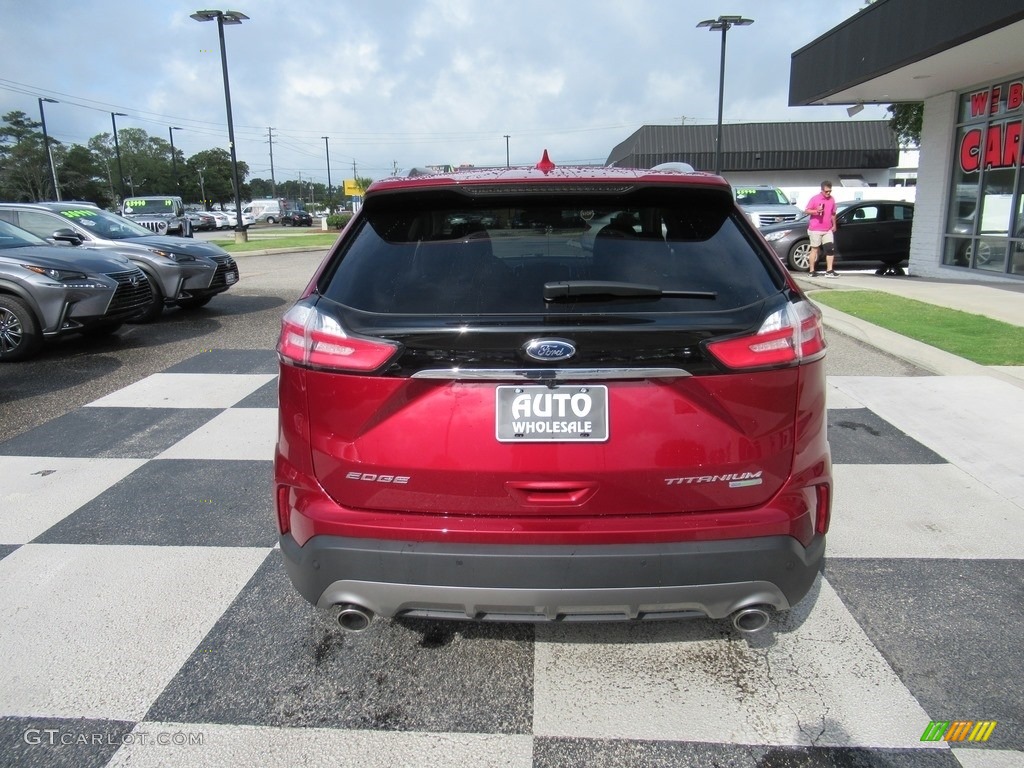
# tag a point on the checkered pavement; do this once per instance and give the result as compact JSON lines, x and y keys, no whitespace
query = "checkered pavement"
{"x":146,"y":618}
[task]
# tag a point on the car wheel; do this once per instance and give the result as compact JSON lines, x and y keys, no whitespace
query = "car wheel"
{"x":984,"y":255}
{"x":271,"y":220}
{"x":19,"y":330}
{"x":195,"y":302}
{"x":799,"y":257}
{"x":154,"y":310}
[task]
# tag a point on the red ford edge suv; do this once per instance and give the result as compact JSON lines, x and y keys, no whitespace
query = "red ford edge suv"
{"x":489,"y":410}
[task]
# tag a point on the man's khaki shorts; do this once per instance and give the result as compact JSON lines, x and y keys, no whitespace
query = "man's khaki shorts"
{"x":818,"y":238}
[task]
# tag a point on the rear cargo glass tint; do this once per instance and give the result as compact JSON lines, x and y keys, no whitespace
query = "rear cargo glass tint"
{"x":448,"y":254}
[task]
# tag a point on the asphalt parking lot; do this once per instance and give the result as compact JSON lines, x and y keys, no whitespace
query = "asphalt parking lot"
{"x":145,"y":618}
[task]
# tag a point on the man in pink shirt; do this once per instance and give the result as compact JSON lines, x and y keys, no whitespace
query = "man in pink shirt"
{"x":821,"y":229}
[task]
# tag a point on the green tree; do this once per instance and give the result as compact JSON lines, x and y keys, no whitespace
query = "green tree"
{"x":212,"y":169}
{"x":906,"y":122}
{"x":24,"y":167}
{"x":83,"y":177}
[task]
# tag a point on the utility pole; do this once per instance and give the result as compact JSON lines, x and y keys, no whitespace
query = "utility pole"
{"x":273,"y":183}
{"x":202,"y":191}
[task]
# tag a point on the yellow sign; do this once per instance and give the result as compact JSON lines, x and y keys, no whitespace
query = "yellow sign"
{"x":351,"y":188}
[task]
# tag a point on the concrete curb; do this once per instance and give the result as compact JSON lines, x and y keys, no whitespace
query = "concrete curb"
{"x":271,"y":251}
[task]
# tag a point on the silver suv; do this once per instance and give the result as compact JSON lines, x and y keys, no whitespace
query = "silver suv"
{"x":162,"y":215}
{"x":44,"y":292}
{"x":184,"y":273}
{"x":765,"y":205}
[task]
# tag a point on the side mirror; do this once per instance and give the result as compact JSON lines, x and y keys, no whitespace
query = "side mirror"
{"x":68,"y":236}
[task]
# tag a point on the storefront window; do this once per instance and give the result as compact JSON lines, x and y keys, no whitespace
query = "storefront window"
{"x":985,"y":207}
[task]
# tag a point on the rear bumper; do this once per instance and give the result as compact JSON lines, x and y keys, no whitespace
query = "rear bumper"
{"x":550,"y":583}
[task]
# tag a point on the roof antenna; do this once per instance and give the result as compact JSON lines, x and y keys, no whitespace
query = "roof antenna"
{"x":545,"y":163}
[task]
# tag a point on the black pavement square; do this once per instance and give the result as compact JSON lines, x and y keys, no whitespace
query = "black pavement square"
{"x":228,"y":361}
{"x":264,"y":397}
{"x":50,"y":742}
{"x":273,"y":660}
{"x":974,"y":673}
{"x":859,"y":436}
{"x":108,"y":433}
{"x":178,"y":502}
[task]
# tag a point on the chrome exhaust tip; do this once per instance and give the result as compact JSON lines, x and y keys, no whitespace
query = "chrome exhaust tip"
{"x":354,"y":618}
{"x":752,"y":619}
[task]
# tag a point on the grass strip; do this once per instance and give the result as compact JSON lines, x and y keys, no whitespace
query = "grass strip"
{"x":284,"y":241}
{"x":973,"y":337}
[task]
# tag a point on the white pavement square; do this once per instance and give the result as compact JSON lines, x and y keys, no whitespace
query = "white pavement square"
{"x":237,"y":433}
{"x":38,"y":492}
{"x":186,"y":390}
{"x":922,"y":511}
{"x":676,"y":683}
{"x":98,"y":631}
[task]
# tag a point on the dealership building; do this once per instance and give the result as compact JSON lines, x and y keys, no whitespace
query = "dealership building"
{"x":965,"y":62}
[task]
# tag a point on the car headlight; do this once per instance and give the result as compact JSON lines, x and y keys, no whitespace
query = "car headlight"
{"x":179,"y":257}
{"x":66,"y":276}
{"x":771,"y":237}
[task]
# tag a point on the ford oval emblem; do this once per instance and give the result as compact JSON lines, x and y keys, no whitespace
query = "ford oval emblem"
{"x":550,"y":350}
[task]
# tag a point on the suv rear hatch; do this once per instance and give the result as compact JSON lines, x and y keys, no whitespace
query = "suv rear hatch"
{"x":475,"y":354}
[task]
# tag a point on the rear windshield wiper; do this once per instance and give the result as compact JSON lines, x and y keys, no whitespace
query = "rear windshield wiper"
{"x":566,"y":290}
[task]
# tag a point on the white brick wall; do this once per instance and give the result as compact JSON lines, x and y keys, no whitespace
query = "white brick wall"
{"x":934,"y":170}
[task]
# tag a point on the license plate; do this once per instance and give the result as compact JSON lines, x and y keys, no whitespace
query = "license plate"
{"x":231,"y":277}
{"x":541,"y":414}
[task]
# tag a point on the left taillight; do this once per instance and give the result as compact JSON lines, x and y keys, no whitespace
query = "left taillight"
{"x":791,"y":336}
{"x":311,"y":338}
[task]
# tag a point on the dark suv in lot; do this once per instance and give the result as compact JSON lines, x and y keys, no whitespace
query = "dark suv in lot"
{"x":183,"y":272}
{"x":44,"y":293}
{"x":482,"y":419}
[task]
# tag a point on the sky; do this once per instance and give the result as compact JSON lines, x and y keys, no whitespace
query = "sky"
{"x":395,"y":84}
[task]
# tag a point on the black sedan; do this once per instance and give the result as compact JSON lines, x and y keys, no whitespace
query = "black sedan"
{"x":296,"y":219}
{"x":870,"y":234}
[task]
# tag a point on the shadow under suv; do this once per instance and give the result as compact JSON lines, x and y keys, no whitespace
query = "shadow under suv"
{"x":482,"y":419}
{"x":183,"y":272}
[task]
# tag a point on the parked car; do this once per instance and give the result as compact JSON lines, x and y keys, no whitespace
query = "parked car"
{"x":766,"y":205}
{"x":160,"y":214}
{"x":497,"y":424}
{"x":870,"y":234}
{"x":184,"y":272}
{"x":223,"y":221}
{"x":45,"y":293}
{"x":202,"y":221}
{"x":296,"y":219}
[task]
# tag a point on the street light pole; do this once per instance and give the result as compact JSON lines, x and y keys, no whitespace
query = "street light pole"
{"x":722,"y":23}
{"x":327,"y":145}
{"x":46,"y":144}
{"x":222,"y":18}
{"x":117,"y":151}
{"x":507,"y":164}
{"x":174,"y":159}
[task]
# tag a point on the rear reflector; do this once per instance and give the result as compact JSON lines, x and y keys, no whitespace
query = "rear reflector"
{"x":311,"y":338}
{"x":789,"y":337}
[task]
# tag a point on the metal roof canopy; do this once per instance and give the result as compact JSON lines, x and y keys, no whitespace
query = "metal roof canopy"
{"x":896,"y":51}
{"x":763,"y":146}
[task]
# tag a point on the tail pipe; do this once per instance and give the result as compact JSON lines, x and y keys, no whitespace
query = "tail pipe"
{"x":354,"y":618}
{"x":752,"y":619}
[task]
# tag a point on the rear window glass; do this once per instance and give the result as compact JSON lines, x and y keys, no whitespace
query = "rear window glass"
{"x":442,"y":253}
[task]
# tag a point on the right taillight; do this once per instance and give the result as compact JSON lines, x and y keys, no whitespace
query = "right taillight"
{"x":791,"y":336}
{"x":311,"y":338}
